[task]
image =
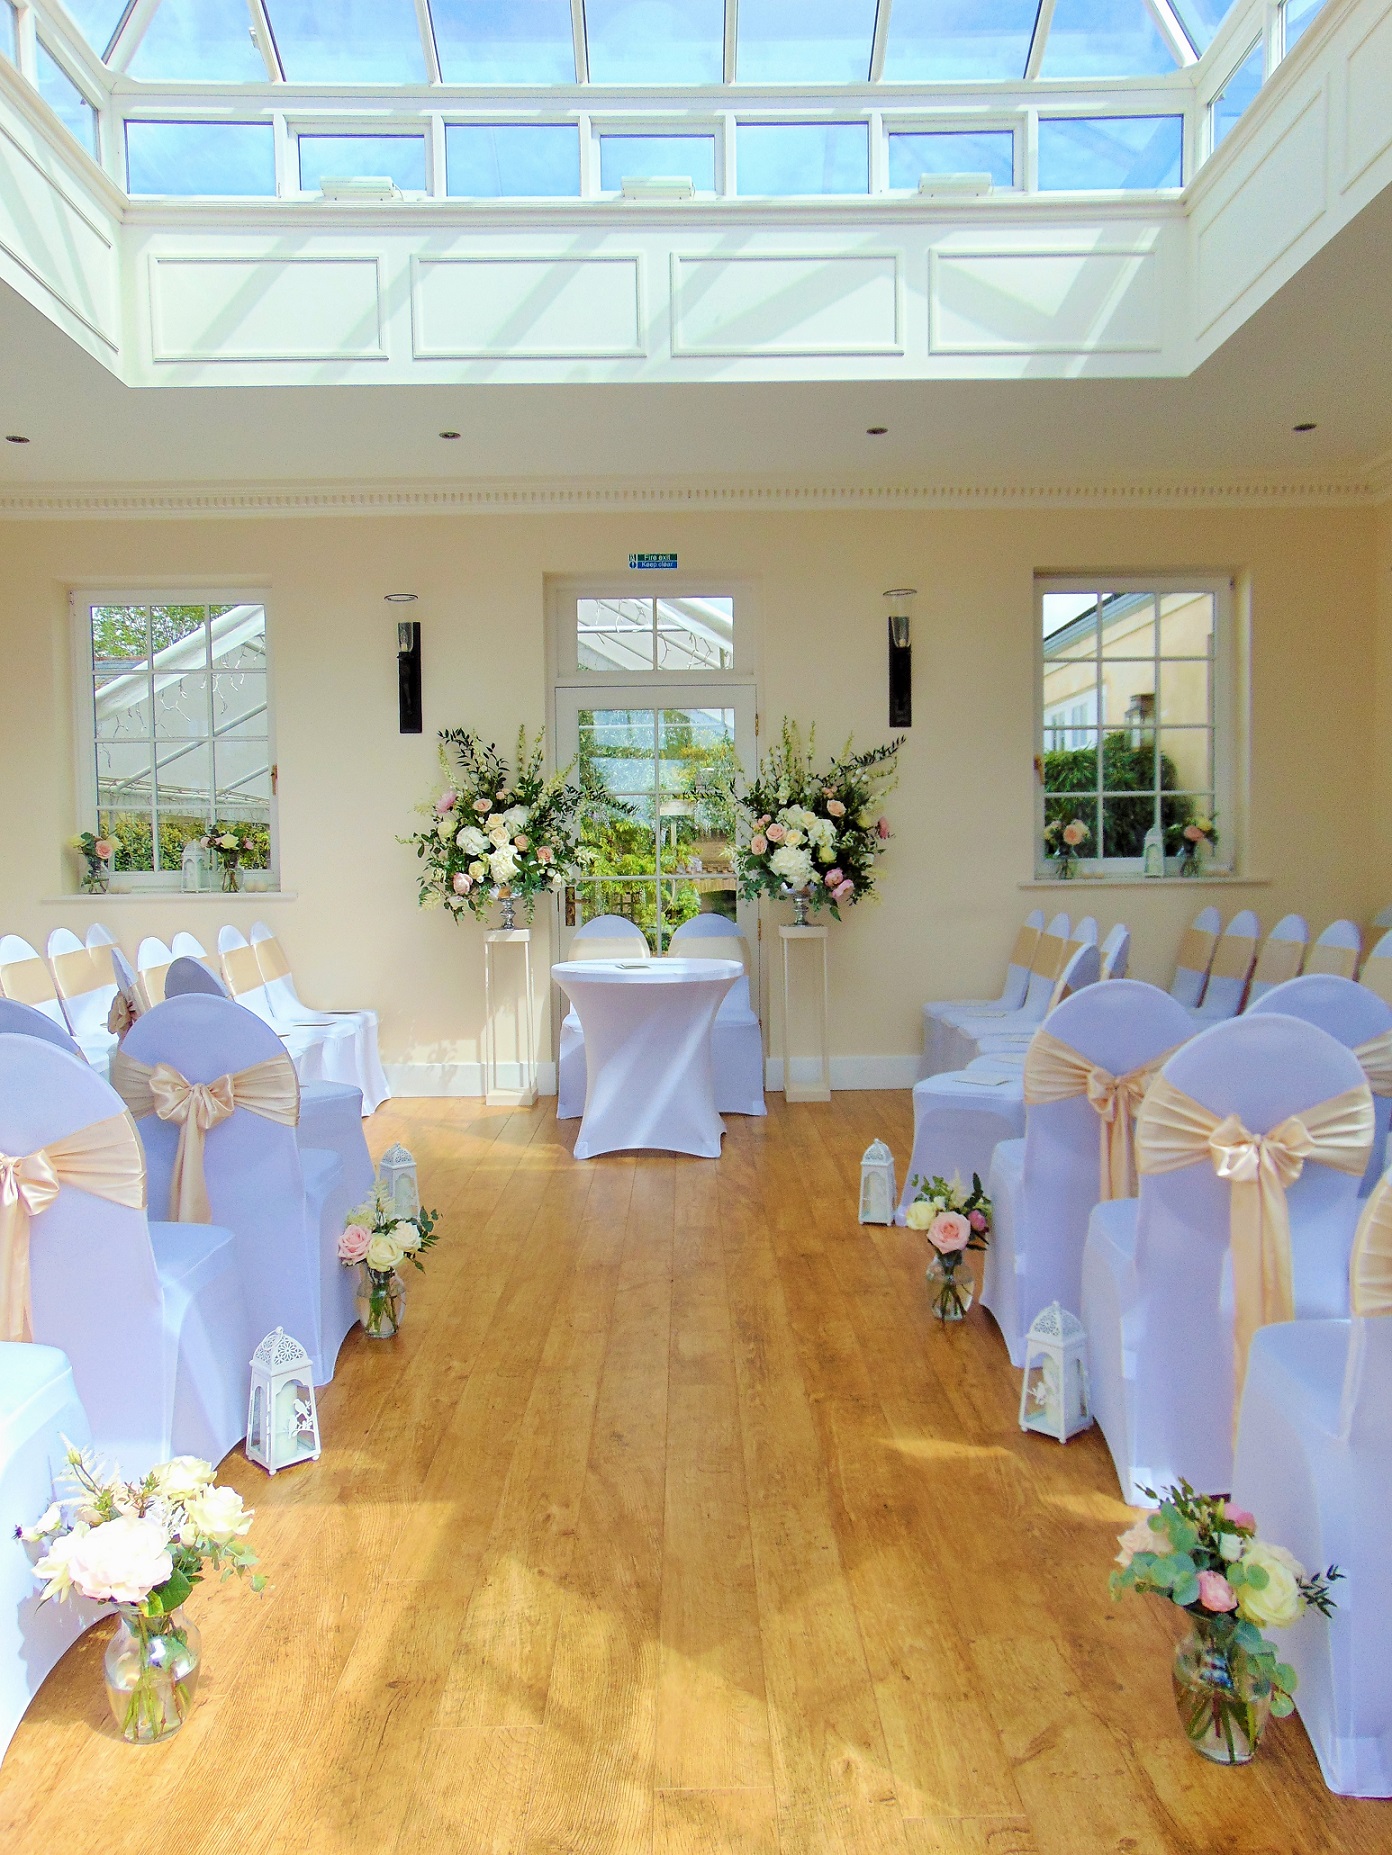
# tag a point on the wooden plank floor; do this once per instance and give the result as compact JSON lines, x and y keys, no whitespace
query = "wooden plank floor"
{"x":671,"y":1523}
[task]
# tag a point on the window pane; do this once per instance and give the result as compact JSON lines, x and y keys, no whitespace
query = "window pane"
{"x":1299,"y":14}
{"x":695,"y":634}
{"x":1186,"y":759}
{"x":655,"y":41}
{"x":634,"y":157}
{"x":1128,"y":626}
{"x":184,"y":776}
{"x":204,"y":158}
{"x":239,"y":704}
{"x":948,"y":41}
{"x":1236,"y":94}
{"x":614,"y":634}
{"x":1186,"y":624}
{"x":348,"y":41}
{"x":1070,"y":624}
{"x":124,"y":708}
{"x":1128,"y":152}
{"x":1128,"y":700}
{"x":786,"y":158}
{"x":957,"y":151}
{"x":1104,"y":38}
{"x":181,"y":705}
{"x":206,"y":39}
{"x":65,"y":100}
{"x":1201,"y":19}
{"x":482,"y":162}
{"x":238,"y":637}
{"x":9,"y":29}
{"x":504,"y":41}
{"x":1185,"y":692}
{"x":120,"y":635}
{"x":400,"y":158}
{"x":817,"y":42}
{"x":98,"y":20}
{"x":124,"y":775}
{"x":133,"y":830}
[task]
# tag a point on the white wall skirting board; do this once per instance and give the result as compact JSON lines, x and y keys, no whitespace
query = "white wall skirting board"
{"x":441,"y":1079}
{"x":854,"y":1072}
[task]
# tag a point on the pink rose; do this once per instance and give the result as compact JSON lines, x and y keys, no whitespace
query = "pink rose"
{"x":843,"y":888}
{"x":463,"y":883}
{"x":352,"y":1245}
{"x":883,"y":827}
{"x":522,"y":841}
{"x":1074,"y":833}
{"x":949,"y":1232}
{"x":761,"y":823}
{"x":483,"y":805}
{"x":104,"y":848}
{"x":545,"y":854}
{"x":446,"y":803}
{"x":1193,"y":833}
{"x":1215,"y":1593}
{"x":835,"y":809}
{"x":758,"y":844}
{"x":776,"y":833}
{"x":977,"y":1220}
{"x":833,"y":876}
{"x":1240,"y":1517}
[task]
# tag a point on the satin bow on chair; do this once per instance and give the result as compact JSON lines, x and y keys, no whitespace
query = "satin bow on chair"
{"x":270,"y":1089}
{"x":104,"y":1159}
{"x":1177,"y":1131}
{"x":1055,"y":1071}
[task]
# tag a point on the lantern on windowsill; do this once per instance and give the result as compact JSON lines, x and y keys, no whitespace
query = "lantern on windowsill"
{"x":877,"y":1186}
{"x":1054,"y":1394}
{"x":398,"y":1173}
{"x":282,"y":1417}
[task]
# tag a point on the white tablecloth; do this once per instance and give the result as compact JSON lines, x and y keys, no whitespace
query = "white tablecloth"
{"x":649,"y":1077}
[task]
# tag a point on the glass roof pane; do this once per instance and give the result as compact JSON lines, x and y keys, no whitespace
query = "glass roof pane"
{"x":504,"y":41}
{"x":208,"y":39}
{"x":400,"y":157}
{"x":645,"y":157}
{"x":952,"y":151}
{"x":655,"y":41}
{"x":817,"y":42}
{"x":206,"y":158}
{"x":1237,"y":93}
{"x":348,"y":41}
{"x":65,"y":100}
{"x":512,"y":160}
{"x":1105,"y":38}
{"x":97,"y":18}
{"x":1201,"y":19}
{"x":1299,"y":14}
{"x":1131,"y":152}
{"x":951,"y":41}
{"x":779,"y":158}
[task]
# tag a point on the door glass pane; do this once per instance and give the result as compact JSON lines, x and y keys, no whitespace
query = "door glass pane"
{"x":614,"y":634}
{"x":695,"y":634}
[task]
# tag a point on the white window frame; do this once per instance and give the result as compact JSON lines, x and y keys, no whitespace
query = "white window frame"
{"x":1225,"y":714}
{"x":81,"y":601}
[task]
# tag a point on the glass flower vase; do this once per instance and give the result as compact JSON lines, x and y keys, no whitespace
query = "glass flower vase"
{"x":1223,"y":1704}
{"x":151,"y":1668}
{"x":229,"y":877}
{"x":952,"y":1285}
{"x":381,"y":1302}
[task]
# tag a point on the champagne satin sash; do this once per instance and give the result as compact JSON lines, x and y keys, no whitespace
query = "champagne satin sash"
{"x":1278,"y":961}
{"x":1233,"y":956}
{"x":1060,"y":991}
{"x":1375,"y":1057}
{"x":1050,"y":956}
{"x":270,"y":959}
{"x":1177,"y":1131}
{"x":104,"y":1159}
{"x":1196,"y":950}
{"x":85,"y":969}
{"x":242,"y":970}
{"x":270,"y":1089}
{"x":27,"y":982}
{"x":707,"y":947}
{"x":1376,"y":975}
{"x":1370,"y":1265}
{"x":1022,"y":953}
{"x":1055,"y":1071}
{"x":601,"y":948}
{"x":1341,"y":961}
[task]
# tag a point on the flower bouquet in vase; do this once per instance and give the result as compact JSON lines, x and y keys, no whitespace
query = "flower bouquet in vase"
{"x":143,"y":1546}
{"x":377,"y":1242}
{"x":1201,"y":1553}
{"x":954,"y":1221}
{"x":1197,"y":840}
{"x":228,"y":847}
{"x":1063,"y":841}
{"x":98,"y":854}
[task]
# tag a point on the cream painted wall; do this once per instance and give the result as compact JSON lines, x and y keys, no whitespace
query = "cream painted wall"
{"x":963,"y":814}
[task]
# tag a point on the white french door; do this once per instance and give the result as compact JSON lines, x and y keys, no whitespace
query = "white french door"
{"x":665,"y":755}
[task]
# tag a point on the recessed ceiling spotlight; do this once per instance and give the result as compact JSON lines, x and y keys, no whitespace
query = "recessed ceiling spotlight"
{"x":1307,"y":426}
{"x":876,"y":431}
{"x":15,"y":438}
{"x":401,"y":598}
{"x":449,"y":434}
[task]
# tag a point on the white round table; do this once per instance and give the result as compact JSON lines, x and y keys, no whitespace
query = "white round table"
{"x":649,"y":1081}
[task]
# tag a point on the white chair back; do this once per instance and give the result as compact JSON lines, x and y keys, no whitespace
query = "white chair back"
{"x":187,"y":977}
{"x":1355,"y":1016}
{"x":1116,"y":952}
{"x":25,"y":978}
{"x":1021,"y":960}
{"x":1195,"y":956}
{"x":1281,"y":958}
{"x":1231,"y":968}
{"x":1082,"y":968}
{"x":86,"y":983}
{"x":1376,"y":973}
{"x":1050,"y":958}
{"x":153,"y":959}
{"x":1262,"y":1067}
{"x":98,"y":935}
{"x":242,"y":973}
{"x":1336,"y":951}
{"x":189,"y":947}
{"x":96,"y":1292}
{"x":715,"y":937}
{"x":608,"y":937}
{"x":24,"y":1021}
{"x":1383,"y":919}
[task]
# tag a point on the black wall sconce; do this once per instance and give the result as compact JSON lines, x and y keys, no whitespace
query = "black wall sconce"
{"x":408,"y":668}
{"x":899,"y":600}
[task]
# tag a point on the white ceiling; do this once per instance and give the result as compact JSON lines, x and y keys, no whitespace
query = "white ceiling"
{"x":1321,"y":349}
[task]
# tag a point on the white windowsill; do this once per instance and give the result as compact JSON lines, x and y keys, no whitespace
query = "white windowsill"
{"x":169,"y":895}
{"x":1221,"y":878}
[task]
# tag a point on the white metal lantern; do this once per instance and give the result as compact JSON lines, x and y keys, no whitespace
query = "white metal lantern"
{"x":194,"y":870}
{"x":1054,"y":1395}
{"x":398,"y":1174}
{"x":282,"y":1417}
{"x":877,"y":1188}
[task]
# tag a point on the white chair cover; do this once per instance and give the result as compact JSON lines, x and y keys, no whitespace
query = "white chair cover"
{"x":606,"y":937}
{"x":1281,"y":958}
{"x":1376,"y":972}
{"x":952,"y":1047}
{"x":1231,"y":968}
{"x":943,"y":1011}
{"x":289,"y":1009}
{"x":1159,"y":1299}
{"x":151,"y":1315}
{"x":1116,"y":952}
{"x":314,"y":1049}
{"x":1361,"y":1022}
{"x":153,"y":960}
{"x":39,"y":1406}
{"x":1195,"y":956}
{"x":1051,"y":978}
{"x":1012,"y":1036}
{"x":24,"y":1021}
{"x":650,"y":1082}
{"x":737,"y":1041}
{"x":86,"y":985}
{"x":25,"y":978}
{"x":285,"y":1206}
{"x":1337,"y":951}
{"x":186,"y":977}
{"x":1043,"y":1187}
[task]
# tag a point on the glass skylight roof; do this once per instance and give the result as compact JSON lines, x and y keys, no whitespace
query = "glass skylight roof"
{"x":668,"y":43}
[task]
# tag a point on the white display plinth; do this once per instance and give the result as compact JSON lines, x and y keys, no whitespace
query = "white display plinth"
{"x":497,"y":998}
{"x":815,"y":939}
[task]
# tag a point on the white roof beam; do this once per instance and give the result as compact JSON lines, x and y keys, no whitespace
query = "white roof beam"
{"x":582,"y":50}
{"x":265,"y":41}
{"x":731,"y":39}
{"x":1043,"y":19}
{"x":1172,"y":31}
{"x":134,"y":24}
{"x":879,"y":40}
{"x":428,"y":45}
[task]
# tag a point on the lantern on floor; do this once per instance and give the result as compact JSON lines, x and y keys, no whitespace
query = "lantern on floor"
{"x":282,"y":1418}
{"x":398,"y":1173}
{"x":1054,"y":1395}
{"x":877,"y":1192}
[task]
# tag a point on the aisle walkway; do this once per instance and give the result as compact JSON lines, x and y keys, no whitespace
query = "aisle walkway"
{"x":672,"y":1524}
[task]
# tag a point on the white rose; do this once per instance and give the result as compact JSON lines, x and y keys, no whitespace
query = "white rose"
{"x":120,"y":1562}
{"x":445,"y":830}
{"x":472,"y":841}
{"x":514,"y":818}
{"x":920,"y":1214}
{"x":178,"y":1480}
{"x":478,"y":869}
{"x":502,"y":864}
{"x":407,"y":1235}
{"x":498,"y":836}
{"x":794,"y":837}
{"x":1278,"y":1602}
{"x":384,"y":1253}
{"x":216,"y":1514}
{"x":865,"y":820}
{"x":794,"y":866}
